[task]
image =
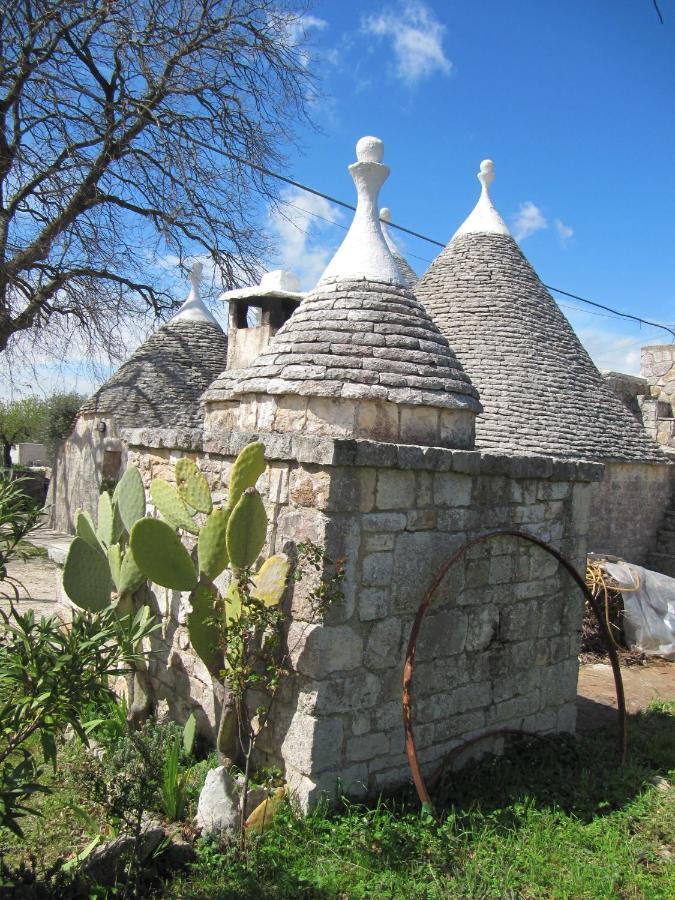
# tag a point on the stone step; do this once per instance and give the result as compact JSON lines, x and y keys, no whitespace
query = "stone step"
{"x":662,"y":562}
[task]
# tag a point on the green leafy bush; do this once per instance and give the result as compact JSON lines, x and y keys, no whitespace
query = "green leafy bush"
{"x":48,"y":676}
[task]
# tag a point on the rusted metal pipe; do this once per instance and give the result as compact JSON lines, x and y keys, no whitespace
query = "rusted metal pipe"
{"x":409,"y":665}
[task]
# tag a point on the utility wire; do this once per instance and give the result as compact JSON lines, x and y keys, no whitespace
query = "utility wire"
{"x":303,"y":187}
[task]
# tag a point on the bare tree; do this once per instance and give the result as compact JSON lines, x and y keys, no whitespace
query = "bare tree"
{"x":124,"y":126}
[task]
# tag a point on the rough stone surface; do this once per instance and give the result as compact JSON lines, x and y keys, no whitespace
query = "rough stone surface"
{"x":540,"y":391}
{"x":218,"y":807}
{"x":161,"y":382}
{"x":498,"y":648}
{"x":365,"y":334}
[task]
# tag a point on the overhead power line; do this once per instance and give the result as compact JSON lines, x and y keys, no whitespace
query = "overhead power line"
{"x":423,"y":237}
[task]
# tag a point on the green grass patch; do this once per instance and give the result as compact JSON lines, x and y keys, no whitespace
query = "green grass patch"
{"x":552,"y":818}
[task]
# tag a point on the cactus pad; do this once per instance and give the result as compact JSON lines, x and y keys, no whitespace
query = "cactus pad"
{"x":202,"y":629}
{"x":131,"y":577}
{"x":246,"y":530}
{"x":212,"y":544}
{"x":84,"y":528}
{"x":129,"y":495}
{"x":115,"y":563}
{"x":270,"y":582}
{"x":247,"y":468}
{"x":104,"y":529}
{"x":86,"y":577}
{"x":193,"y":487}
{"x":232,"y":600}
{"x":161,"y":556}
{"x":169,"y":504}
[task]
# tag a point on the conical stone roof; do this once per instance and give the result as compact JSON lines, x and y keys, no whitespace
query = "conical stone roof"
{"x":540,"y":390}
{"x":161,"y":383}
{"x":407,"y":271}
{"x":361,"y":333}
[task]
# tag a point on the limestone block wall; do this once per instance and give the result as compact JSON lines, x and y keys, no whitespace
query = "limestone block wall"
{"x":499,"y":648}
{"x":627,"y":509}
{"x":85,"y":458}
{"x":657,"y":366}
{"x":358,"y":416}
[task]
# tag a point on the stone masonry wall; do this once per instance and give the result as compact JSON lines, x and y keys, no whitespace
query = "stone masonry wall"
{"x":657,"y":366}
{"x":499,"y":647}
{"x":627,"y":509}
{"x":83,"y":460}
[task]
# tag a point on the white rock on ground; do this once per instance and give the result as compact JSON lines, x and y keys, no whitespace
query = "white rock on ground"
{"x":220,"y":799}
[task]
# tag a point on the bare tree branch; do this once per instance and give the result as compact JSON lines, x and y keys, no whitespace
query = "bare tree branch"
{"x":108,"y":109}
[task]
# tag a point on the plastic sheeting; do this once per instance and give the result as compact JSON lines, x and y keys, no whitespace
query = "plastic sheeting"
{"x":649,"y":607}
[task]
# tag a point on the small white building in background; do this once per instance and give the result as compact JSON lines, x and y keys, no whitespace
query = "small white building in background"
{"x":27,"y":454}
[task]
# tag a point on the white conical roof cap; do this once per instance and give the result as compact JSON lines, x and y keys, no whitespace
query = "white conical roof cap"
{"x":193,"y":310}
{"x":484,"y":218}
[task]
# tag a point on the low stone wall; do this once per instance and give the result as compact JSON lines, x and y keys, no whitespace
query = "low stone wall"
{"x":627,"y":509}
{"x":85,"y":460}
{"x":499,"y":648}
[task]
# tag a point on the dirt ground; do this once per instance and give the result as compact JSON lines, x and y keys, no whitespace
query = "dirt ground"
{"x":596,"y":700}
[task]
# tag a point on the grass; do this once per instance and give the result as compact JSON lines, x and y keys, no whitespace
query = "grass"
{"x":552,"y":818}
{"x":30,"y":551}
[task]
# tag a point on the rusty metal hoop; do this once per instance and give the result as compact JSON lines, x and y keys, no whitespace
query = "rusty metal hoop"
{"x":409,"y":665}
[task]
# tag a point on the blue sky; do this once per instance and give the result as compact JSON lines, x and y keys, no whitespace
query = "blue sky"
{"x":575,"y":103}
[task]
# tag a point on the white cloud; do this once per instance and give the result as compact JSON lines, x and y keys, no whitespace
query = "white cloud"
{"x":565,"y":233}
{"x":305,"y":243}
{"x":528,"y":220}
{"x":416,"y":36}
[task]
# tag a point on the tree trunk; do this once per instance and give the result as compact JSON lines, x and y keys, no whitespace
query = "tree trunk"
{"x":7,"y":455}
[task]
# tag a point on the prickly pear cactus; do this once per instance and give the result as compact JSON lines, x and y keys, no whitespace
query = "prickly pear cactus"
{"x":129,"y":495}
{"x":212,"y":544}
{"x":246,"y":529}
{"x":86,"y":576}
{"x":270,"y":582}
{"x":247,"y":469}
{"x":193,"y":487}
{"x":170,"y":506}
{"x":161,"y":556}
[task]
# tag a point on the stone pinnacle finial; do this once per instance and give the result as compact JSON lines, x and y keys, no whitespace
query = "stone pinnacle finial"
{"x":193,"y":310}
{"x":484,"y":218}
{"x":364,"y":252}
{"x":196,"y":277}
{"x":487,"y":174}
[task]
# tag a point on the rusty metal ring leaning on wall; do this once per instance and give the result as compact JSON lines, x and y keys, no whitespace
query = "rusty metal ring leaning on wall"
{"x":409,"y":665}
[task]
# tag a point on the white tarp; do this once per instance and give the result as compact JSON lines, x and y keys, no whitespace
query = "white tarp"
{"x":649,"y":607}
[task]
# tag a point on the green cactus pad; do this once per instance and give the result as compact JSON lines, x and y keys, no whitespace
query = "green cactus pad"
{"x":193,"y":487}
{"x":247,"y":468}
{"x":104,"y":529}
{"x":168,"y":503}
{"x":212,"y":544}
{"x":161,"y":556}
{"x":232,"y":601}
{"x":246,"y":530}
{"x":86,"y":577}
{"x":270,"y":582}
{"x":131,"y":577}
{"x":129,"y":496}
{"x":202,"y":629}
{"x":84,"y":528}
{"x":115,"y":563}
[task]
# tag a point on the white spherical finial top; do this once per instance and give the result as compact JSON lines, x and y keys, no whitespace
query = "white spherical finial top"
{"x":487,"y":173}
{"x":370,"y":149}
{"x":385,"y":214}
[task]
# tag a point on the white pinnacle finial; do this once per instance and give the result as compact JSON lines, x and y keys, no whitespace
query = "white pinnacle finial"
{"x":484,"y":218}
{"x":196,"y":277}
{"x":364,"y":252}
{"x":193,"y":310}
